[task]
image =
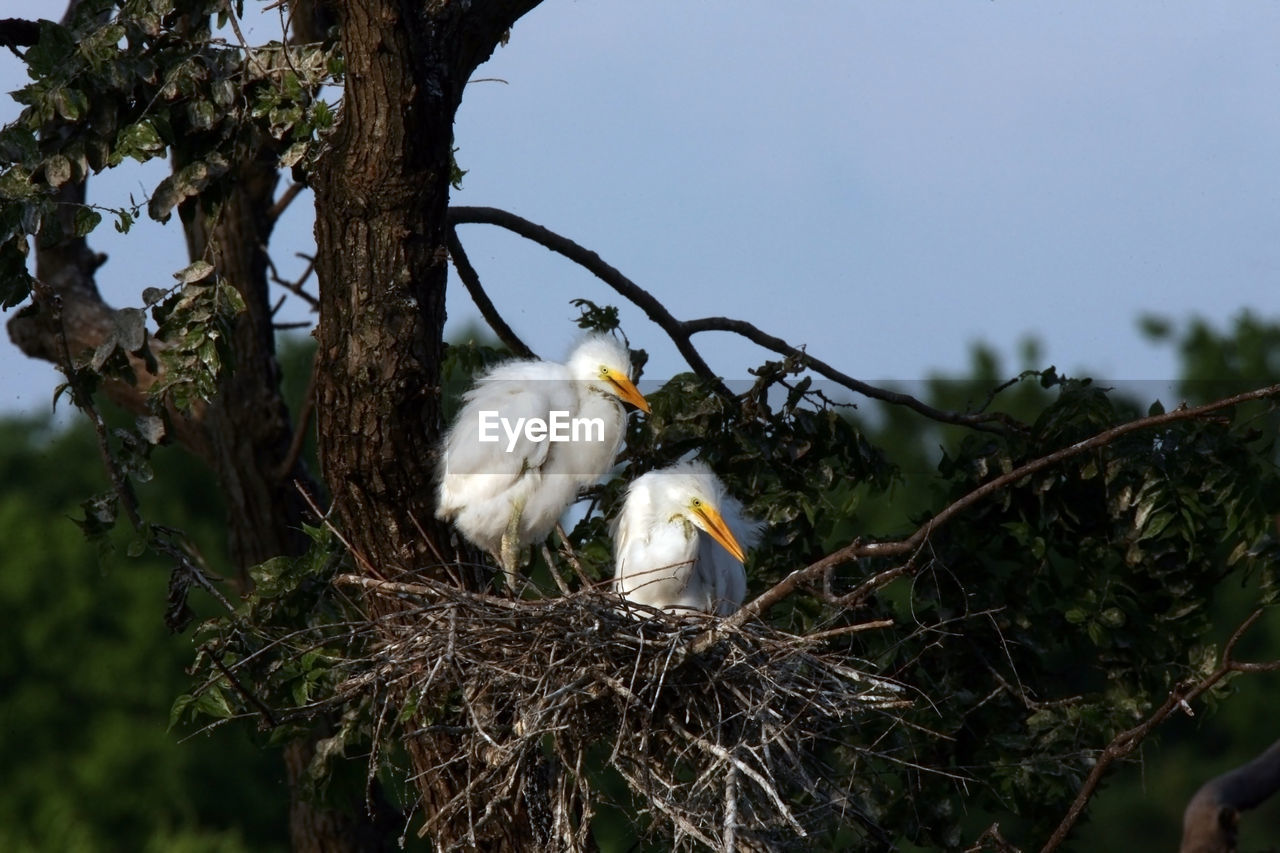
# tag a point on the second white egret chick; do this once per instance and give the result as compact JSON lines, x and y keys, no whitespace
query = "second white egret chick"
{"x":676,"y":542}
{"x":529,"y":435}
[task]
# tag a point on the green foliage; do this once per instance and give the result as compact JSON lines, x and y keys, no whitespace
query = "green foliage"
{"x":1070,"y":584}
{"x":596,"y":318}
{"x":1033,"y":626}
{"x":141,"y":81}
{"x":195,"y":328}
{"x":1032,"y":620}
{"x":90,"y":671}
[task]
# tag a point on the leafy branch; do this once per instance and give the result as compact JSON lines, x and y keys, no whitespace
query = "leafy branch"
{"x":1179,"y":698}
{"x":911,"y":544}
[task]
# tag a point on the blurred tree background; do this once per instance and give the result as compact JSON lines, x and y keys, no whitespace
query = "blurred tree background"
{"x":92,"y":672}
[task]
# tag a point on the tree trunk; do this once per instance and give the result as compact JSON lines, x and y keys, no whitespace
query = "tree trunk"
{"x":382,"y":194}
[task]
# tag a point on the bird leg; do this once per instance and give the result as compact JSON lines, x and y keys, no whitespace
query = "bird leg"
{"x":510,"y":557}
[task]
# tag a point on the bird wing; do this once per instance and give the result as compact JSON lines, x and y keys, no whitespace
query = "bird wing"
{"x":514,"y":400}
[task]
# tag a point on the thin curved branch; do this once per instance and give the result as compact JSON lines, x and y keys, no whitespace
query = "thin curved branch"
{"x":471,"y":281}
{"x":286,"y":198}
{"x":1127,"y":741}
{"x":910,"y":545}
{"x":592,"y":262}
{"x":981,"y":421}
{"x":682,"y":331}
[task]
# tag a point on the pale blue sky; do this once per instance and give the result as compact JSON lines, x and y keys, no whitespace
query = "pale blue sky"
{"x":884,"y":182}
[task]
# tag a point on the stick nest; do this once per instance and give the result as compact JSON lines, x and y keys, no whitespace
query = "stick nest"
{"x":717,"y":731}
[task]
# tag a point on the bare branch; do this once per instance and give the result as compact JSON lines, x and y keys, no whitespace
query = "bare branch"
{"x":985,"y":422}
{"x":18,"y":32}
{"x":588,"y":259}
{"x":286,"y":198}
{"x":471,"y":280}
{"x":295,"y":287}
{"x":681,"y":332}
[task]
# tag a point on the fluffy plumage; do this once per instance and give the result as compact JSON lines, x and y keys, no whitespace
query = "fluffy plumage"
{"x":678,"y":542}
{"x":507,"y":494}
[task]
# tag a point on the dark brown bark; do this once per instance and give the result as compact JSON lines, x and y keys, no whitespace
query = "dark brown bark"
{"x":248,"y":426}
{"x":248,"y":434}
{"x":381,"y":231}
{"x":243,"y":435}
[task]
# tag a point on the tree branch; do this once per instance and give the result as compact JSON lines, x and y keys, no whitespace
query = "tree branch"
{"x":18,"y":32}
{"x":681,"y":332}
{"x":980,"y":421}
{"x":1127,"y":741}
{"x":471,"y":281}
{"x":908,"y":546}
{"x":594,"y":264}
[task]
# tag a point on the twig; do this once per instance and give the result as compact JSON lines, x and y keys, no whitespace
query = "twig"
{"x":986,"y":422}
{"x":555,"y":573}
{"x":1127,"y":741}
{"x":268,"y":719}
{"x":566,"y":549}
{"x":994,"y":840}
{"x":248,"y":51}
{"x":295,"y":287}
{"x":286,"y":197}
{"x":874,"y":625}
{"x":471,"y":281}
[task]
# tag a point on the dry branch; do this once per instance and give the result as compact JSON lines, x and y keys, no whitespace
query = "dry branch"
{"x":471,"y":281}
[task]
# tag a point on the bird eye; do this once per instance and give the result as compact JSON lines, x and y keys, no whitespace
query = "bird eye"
{"x":697,"y":503}
{"x":604,"y":370}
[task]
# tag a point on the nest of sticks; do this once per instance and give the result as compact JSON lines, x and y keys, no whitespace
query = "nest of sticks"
{"x":720,"y":733}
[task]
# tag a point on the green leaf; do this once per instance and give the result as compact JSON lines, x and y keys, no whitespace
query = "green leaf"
{"x":196,"y":271}
{"x":71,"y":104}
{"x":15,"y":281}
{"x":213,"y":702}
{"x":139,"y":141}
{"x":86,"y":219}
{"x":124,"y":221}
{"x":179,"y":708}
{"x":189,"y":181}
{"x":1112,"y":617}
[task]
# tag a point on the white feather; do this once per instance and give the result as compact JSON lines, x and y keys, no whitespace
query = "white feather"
{"x":663,"y":557}
{"x":481,"y":483}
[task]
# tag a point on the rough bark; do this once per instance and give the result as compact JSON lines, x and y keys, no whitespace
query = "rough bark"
{"x":243,"y":435}
{"x":381,"y":231}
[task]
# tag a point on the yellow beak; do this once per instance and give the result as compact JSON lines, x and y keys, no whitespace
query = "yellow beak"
{"x":713,"y":523}
{"x":628,"y":391}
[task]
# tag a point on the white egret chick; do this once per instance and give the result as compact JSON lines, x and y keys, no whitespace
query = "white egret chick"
{"x":676,"y":542}
{"x":529,"y":435}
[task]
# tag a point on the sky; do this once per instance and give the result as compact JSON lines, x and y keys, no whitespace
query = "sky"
{"x":884,"y":183}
